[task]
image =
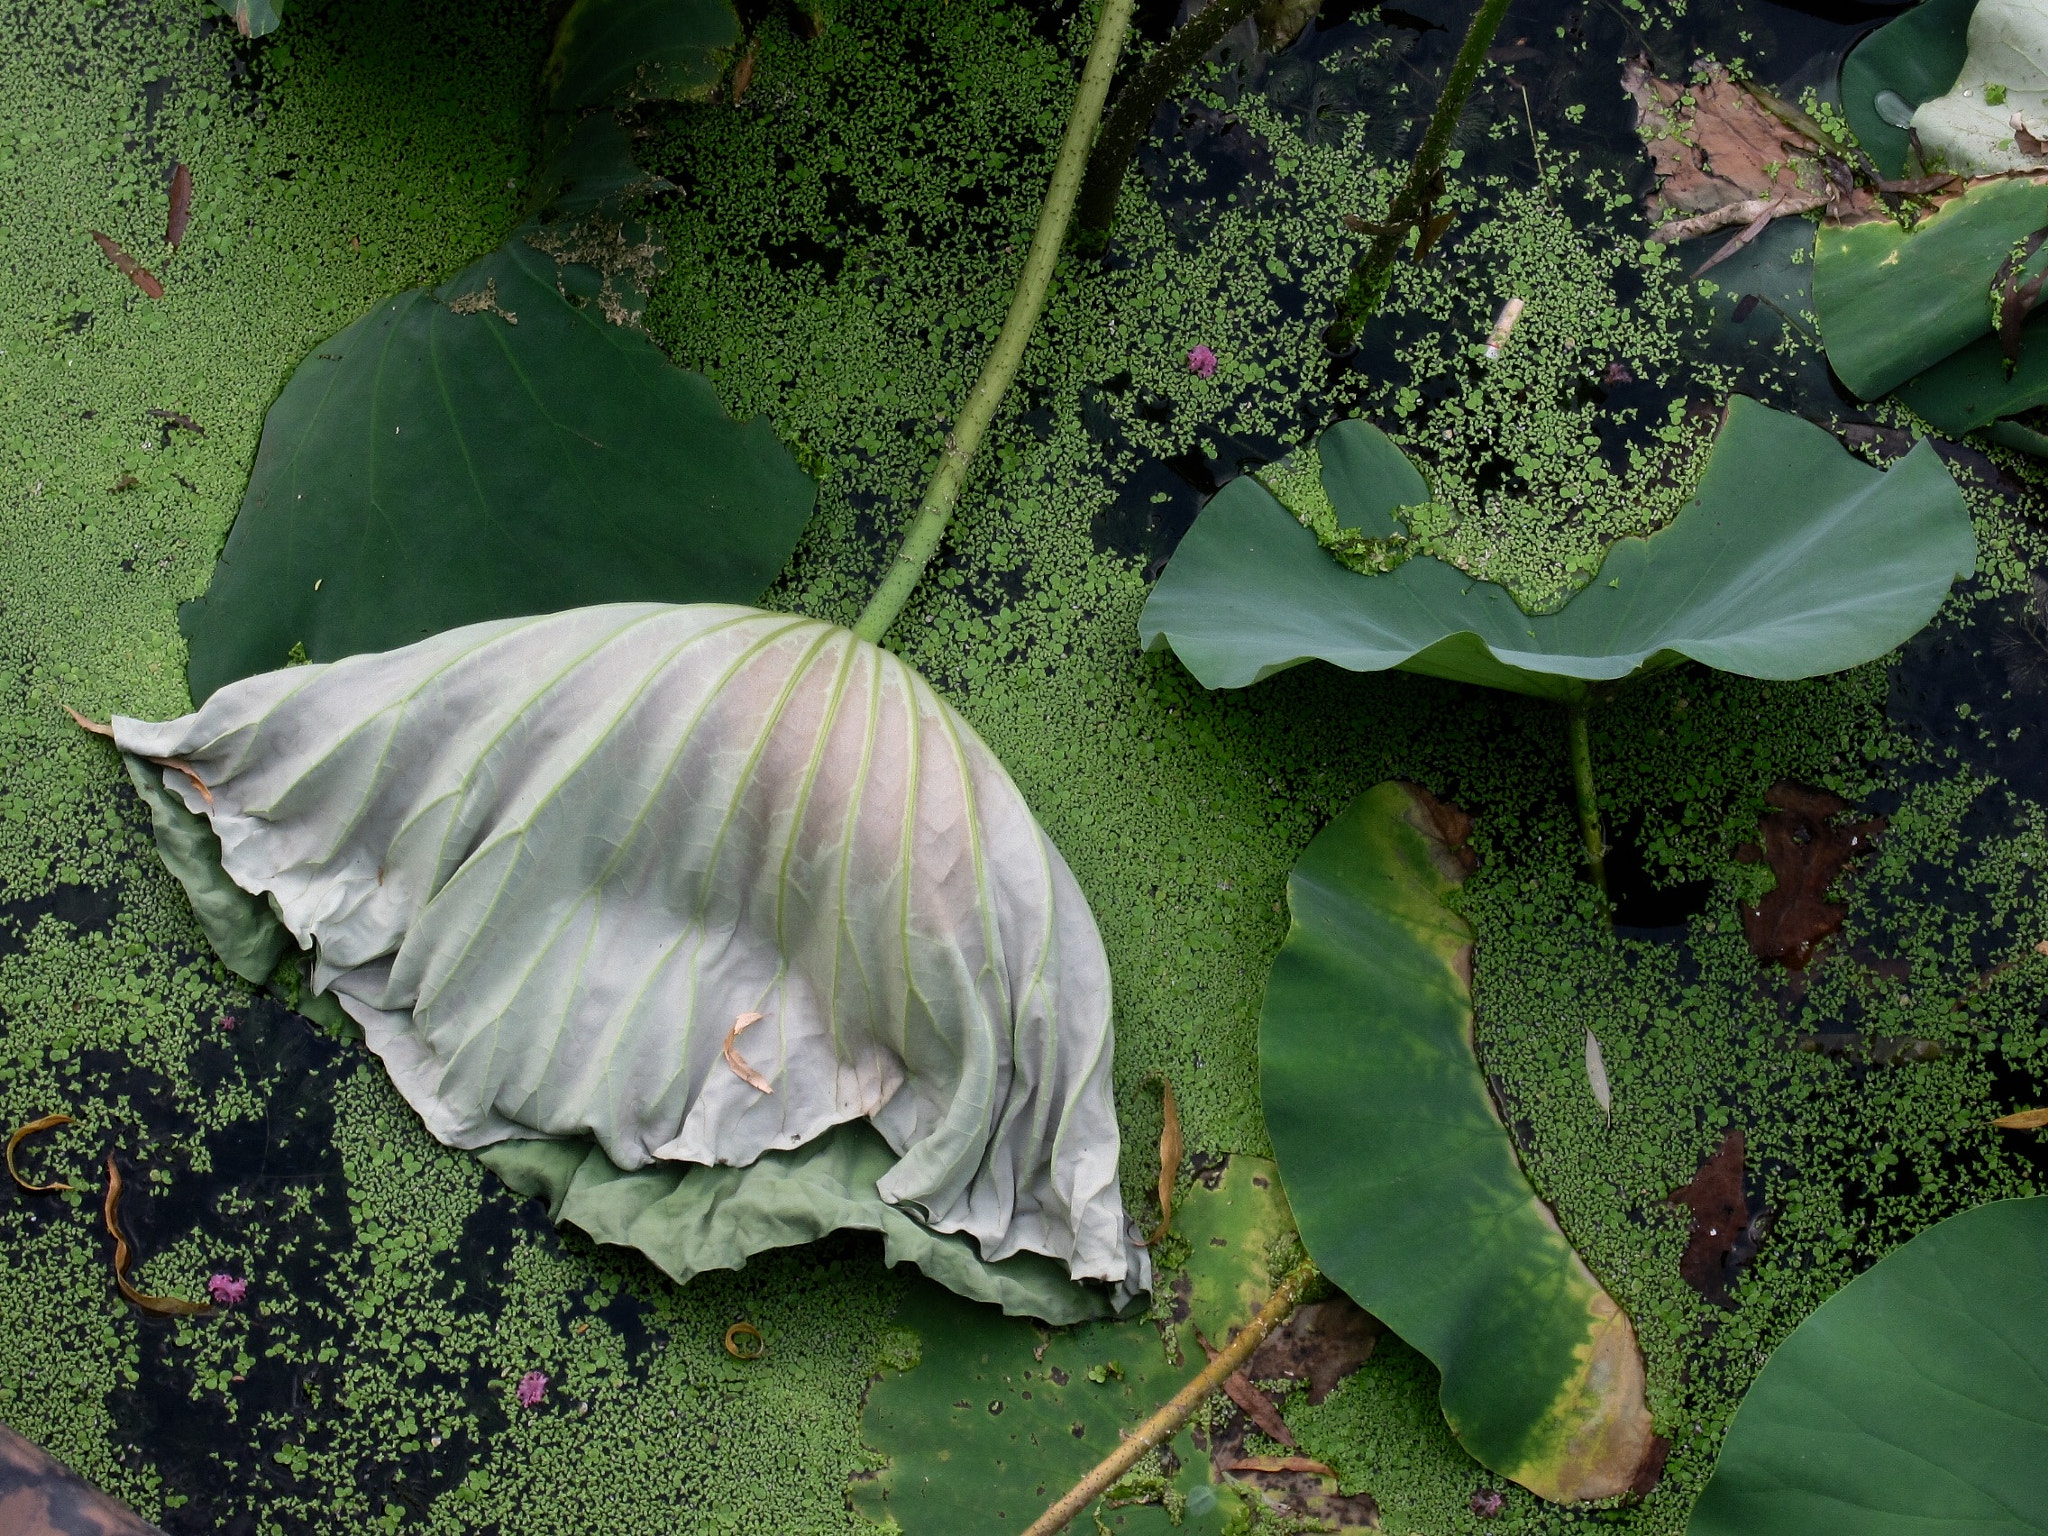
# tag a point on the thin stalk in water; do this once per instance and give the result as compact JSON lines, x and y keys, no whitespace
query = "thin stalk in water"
{"x":1124,"y":128}
{"x":1414,"y":203}
{"x":1588,"y":793}
{"x":1026,"y":305}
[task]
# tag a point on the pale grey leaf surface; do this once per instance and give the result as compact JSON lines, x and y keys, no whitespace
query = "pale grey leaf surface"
{"x":548,"y":862}
{"x":1964,"y":131}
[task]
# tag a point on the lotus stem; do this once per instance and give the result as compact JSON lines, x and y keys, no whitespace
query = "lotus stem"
{"x":1588,"y":792}
{"x":1123,"y":130}
{"x":1417,"y":198}
{"x":1026,"y":305}
{"x":1161,"y":1427}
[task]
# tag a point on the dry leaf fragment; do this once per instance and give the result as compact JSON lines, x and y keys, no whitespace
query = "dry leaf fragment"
{"x":1170,"y":1149}
{"x":2025,"y":1120}
{"x":1280,"y":1464}
{"x":164,"y":1306}
{"x":749,"y":1351}
{"x":47,"y":1123}
{"x":129,"y":267}
{"x":91,"y":725}
{"x":1256,"y":1405}
{"x":743,"y":73}
{"x":171,"y":763}
{"x":177,"y":419}
{"x":181,"y":206}
{"x":746,"y":1073}
{"x":1596,"y":1074}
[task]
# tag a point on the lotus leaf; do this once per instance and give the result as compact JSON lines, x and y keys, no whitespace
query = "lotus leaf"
{"x":1893,"y":304}
{"x":481,"y":450}
{"x":1970,"y":127}
{"x":1402,"y":1176}
{"x":1914,"y":58}
{"x":1913,"y":1399}
{"x":687,"y":1218}
{"x":553,"y":865}
{"x":1792,"y":559}
{"x":254,"y":18}
{"x":639,"y":50}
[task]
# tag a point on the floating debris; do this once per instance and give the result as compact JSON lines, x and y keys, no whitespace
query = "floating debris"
{"x":47,"y":1123}
{"x":129,"y":267}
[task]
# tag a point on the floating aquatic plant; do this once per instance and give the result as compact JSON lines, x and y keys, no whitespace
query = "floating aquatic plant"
{"x":1791,"y":560}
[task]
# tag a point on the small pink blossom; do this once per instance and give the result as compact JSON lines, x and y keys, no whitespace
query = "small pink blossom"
{"x":1487,"y":1503}
{"x":533,"y":1386}
{"x":228,"y":1021}
{"x":226,"y":1290}
{"x":1202,"y":363}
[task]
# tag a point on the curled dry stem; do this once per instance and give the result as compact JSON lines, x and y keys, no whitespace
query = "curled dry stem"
{"x":1026,"y":305}
{"x":163,"y":1306}
{"x":47,"y":1123}
{"x":1163,"y":1425}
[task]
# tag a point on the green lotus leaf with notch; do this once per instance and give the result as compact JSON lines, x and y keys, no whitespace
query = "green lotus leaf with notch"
{"x":484,"y":449}
{"x":1792,"y":559}
{"x":1914,"y":1399}
{"x":1402,"y":1177}
{"x":692,"y":884}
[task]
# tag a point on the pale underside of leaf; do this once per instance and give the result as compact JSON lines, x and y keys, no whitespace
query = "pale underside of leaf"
{"x":1964,"y":130}
{"x":1596,"y":1074}
{"x":547,"y":862}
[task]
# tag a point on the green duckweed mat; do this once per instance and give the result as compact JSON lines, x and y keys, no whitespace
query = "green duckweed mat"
{"x":841,"y":245}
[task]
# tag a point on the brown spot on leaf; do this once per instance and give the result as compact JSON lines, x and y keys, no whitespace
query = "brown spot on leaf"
{"x":129,"y":267}
{"x":181,"y":206}
{"x":1721,"y":1237}
{"x":1807,"y":849}
{"x":1321,"y":1344}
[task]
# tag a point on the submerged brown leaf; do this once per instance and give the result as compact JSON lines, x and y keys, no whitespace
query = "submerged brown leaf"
{"x":1280,"y":1464}
{"x":47,"y":1123}
{"x":129,"y":267}
{"x":1807,"y":849}
{"x":1256,"y":1405}
{"x":743,"y":73}
{"x":1715,"y":1250}
{"x":181,"y":206}
{"x":2025,"y":1120}
{"x":1322,"y":1344}
{"x":1170,"y":1150}
{"x":165,"y":1306}
{"x":733,"y":1059}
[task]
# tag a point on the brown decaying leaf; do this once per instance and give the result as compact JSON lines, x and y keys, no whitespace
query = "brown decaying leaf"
{"x":2017,"y":296}
{"x":1807,"y":850}
{"x":743,"y":74}
{"x":1256,"y":1405}
{"x":745,"y":1073}
{"x":47,"y":1123}
{"x":177,"y":419}
{"x":1280,"y":1464}
{"x":129,"y":267}
{"x":1715,"y":145}
{"x":2025,"y":1120}
{"x":181,"y":206}
{"x":1323,"y":1343}
{"x":739,"y":1331}
{"x":1720,"y":1221}
{"x":1170,"y":1149}
{"x":165,"y":1306}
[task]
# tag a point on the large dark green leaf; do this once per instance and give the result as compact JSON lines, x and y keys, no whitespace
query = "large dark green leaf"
{"x":1892,"y":303}
{"x":1916,"y":58}
{"x":1915,"y":1400}
{"x":639,"y":50}
{"x":1402,"y":1177}
{"x":484,"y":449}
{"x":1792,"y":559}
